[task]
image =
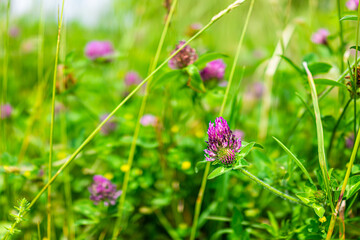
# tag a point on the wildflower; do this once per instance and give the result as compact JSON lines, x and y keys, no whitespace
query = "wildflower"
{"x":132,"y":78}
{"x":183,"y":58}
{"x":193,"y":29}
{"x":257,"y":89}
{"x":6,"y":111}
{"x":185,"y":165}
{"x":109,"y":126}
{"x":320,"y":37}
{"x":349,"y":141}
{"x":103,"y":190}
{"x":349,"y":83}
{"x":109,"y":175}
{"x":239,"y":134}
{"x":213,"y":70}
{"x":222,"y":143}
{"x":14,"y":32}
{"x":175,"y":129}
{"x":322,"y":220}
{"x":352,"y":4}
{"x":148,"y":120}
{"x":125,"y":168}
{"x":99,"y":49}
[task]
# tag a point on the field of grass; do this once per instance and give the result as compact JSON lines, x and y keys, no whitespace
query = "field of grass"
{"x":180,"y":119}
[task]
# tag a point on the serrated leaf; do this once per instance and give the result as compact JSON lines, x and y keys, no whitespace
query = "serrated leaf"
{"x":195,"y":82}
{"x":349,"y":17}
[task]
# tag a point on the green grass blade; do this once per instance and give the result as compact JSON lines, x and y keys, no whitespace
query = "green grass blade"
{"x":320,"y":137}
{"x":296,"y":160}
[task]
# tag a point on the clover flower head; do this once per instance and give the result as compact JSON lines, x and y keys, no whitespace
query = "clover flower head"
{"x":213,"y":70}
{"x":349,"y":141}
{"x":148,"y":120}
{"x":222,"y":143}
{"x":99,"y":49}
{"x":352,"y":4}
{"x":132,"y":78}
{"x":6,"y":111}
{"x":184,"y":58}
{"x":320,"y":37}
{"x":109,"y":126}
{"x":103,"y":190}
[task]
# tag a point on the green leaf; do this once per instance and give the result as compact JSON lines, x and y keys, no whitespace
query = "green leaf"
{"x":245,"y":150}
{"x":208,"y":57}
{"x":328,"y":82}
{"x":241,"y":163}
{"x":296,"y":160}
{"x":353,"y":186}
{"x":319,"y":210}
{"x":320,"y":135}
{"x":218,"y":171}
{"x":195,"y":82}
{"x":289,"y":61}
{"x":165,"y":78}
{"x":349,"y":17}
{"x":200,"y":165}
{"x":305,"y":197}
{"x":318,"y":68}
{"x":236,"y":222}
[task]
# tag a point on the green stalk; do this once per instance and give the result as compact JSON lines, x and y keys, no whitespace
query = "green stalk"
{"x":335,"y":128}
{"x":117,"y":227}
{"x":5,"y":76}
{"x":341,"y":36}
{"x":356,"y":145}
{"x":207,"y":167}
{"x":270,"y":188}
{"x":320,"y":137}
{"x":97,"y":129}
{"x":356,"y":68}
{"x":52,"y":125}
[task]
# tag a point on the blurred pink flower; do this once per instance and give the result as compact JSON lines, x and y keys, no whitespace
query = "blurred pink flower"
{"x":14,"y":32}
{"x":99,"y":49}
{"x":320,"y":37}
{"x":132,"y":78}
{"x":109,"y":126}
{"x":184,"y":58}
{"x":148,"y":120}
{"x":352,"y":4}
{"x":239,"y":134}
{"x":6,"y":111}
{"x":213,"y":70}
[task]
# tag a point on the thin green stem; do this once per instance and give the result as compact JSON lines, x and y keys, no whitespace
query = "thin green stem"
{"x":356,"y":145}
{"x":52,"y":124}
{"x":341,"y":36}
{"x":97,"y":129}
{"x":270,"y":188}
{"x":207,"y":167}
{"x":335,"y":128}
{"x":117,"y":227}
